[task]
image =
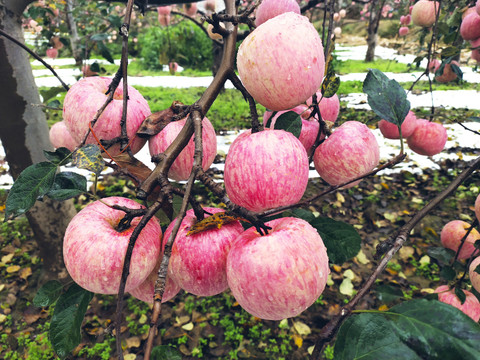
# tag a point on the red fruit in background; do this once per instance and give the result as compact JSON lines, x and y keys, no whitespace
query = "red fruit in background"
{"x":94,"y":250}
{"x":475,"y":52}
{"x":87,"y":72}
{"x":403,"y":31}
{"x":477,"y":7}
{"x":190,"y":9}
{"x":350,"y":151}
{"x":52,"y":53}
{"x":270,"y":8}
{"x":57,"y":44}
{"x":310,"y":127}
{"x":428,"y":138}
{"x":470,"y":28}
{"x":61,"y":137}
{"x":470,"y":307}
{"x":342,"y":13}
{"x":267,"y":54}
{"x":87,"y":96}
{"x":424,"y":13}
{"x":266,"y":170}
{"x":198,"y":261}
{"x":164,"y":10}
{"x":452,"y":234}
{"x":474,"y":276}
{"x":172,"y":67}
{"x":281,"y":274}
{"x":390,"y":131}
{"x":434,"y":65}
{"x":182,"y":166}
{"x":448,"y":74}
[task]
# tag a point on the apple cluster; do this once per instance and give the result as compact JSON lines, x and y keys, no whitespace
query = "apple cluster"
{"x":470,"y":29}
{"x":423,"y":137}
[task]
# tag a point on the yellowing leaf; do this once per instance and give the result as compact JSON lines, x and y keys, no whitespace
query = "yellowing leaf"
{"x":7,"y":258}
{"x":431,"y":230}
{"x":297,"y":340}
{"x":2,"y":318}
{"x":25,"y":273}
{"x":310,"y":349}
{"x":2,"y":286}
{"x":130,"y":357}
{"x":346,"y":287}
{"x":301,"y":328}
{"x":362,"y":258}
{"x":143,"y":319}
{"x":384,"y":185}
{"x":424,"y":260}
{"x":134,"y":341}
{"x":405,"y":252}
{"x":337,"y":268}
{"x":349,"y":274}
{"x":340,"y":197}
{"x":188,"y":326}
{"x":383,"y":308}
{"x":427,"y":290}
{"x":13,"y":268}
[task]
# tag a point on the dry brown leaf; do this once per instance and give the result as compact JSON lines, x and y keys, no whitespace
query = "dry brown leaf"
{"x":25,"y":273}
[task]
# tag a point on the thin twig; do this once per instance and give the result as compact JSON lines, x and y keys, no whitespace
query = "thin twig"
{"x":256,"y":126}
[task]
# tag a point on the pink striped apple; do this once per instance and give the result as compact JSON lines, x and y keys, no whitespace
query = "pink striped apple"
{"x":198,"y":261}
{"x":452,"y":234}
{"x":268,"y":9}
{"x":61,"y":137}
{"x":470,"y":27}
{"x":428,"y":138}
{"x":87,"y":96}
{"x":477,"y":207}
{"x":310,"y":127}
{"x":182,"y":166}
{"x":390,"y":131}
{"x":424,"y":13}
{"x":267,"y":54}
{"x":470,"y":307}
{"x":351,"y":151}
{"x":474,"y":276}
{"x":94,"y":250}
{"x":281,"y":274}
{"x":329,"y":107}
{"x":265,"y":170}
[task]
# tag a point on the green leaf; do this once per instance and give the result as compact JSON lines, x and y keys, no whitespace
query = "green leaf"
{"x":115,"y":20}
{"x":89,"y":157}
{"x":48,"y":293}
{"x":303,"y":214}
{"x":456,"y":69}
{"x":99,"y":37}
{"x":67,"y":319}
{"x":386,"y":97}
{"x":289,"y":121}
{"x":33,"y":182}
{"x":269,"y":121}
{"x":450,"y":51}
{"x":67,"y":185}
{"x":95,"y":67}
{"x":413,"y":330}
{"x":443,"y":255}
{"x":448,"y":273}
{"x":59,"y":156}
{"x":387,"y":293}
{"x":460,"y":295}
{"x":341,"y":239}
{"x":165,"y":352}
{"x":51,"y":92}
{"x":105,"y":52}
{"x":330,"y":84}
{"x":474,"y":118}
{"x":477,"y":269}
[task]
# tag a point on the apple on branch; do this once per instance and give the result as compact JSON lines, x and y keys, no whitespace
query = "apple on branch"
{"x":470,"y":307}
{"x":452,"y":234}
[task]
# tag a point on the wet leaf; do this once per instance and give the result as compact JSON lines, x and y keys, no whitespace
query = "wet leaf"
{"x":48,"y":293}
{"x":90,"y":158}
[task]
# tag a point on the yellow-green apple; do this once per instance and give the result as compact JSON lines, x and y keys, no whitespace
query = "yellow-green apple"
{"x":281,"y":63}
{"x":452,"y":234}
{"x":87,"y":96}
{"x":266,"y":169}
{"x":281,"y":274}
{"x":470,"y":307}
{"x":390,"y":131}
{"x":270,"y":8}
{"x":428,"y":138}
{"x":94,"y":248}
{"x":61,"y":137}
{"x":182,"y":166}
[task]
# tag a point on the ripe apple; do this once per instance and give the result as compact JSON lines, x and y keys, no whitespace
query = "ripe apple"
{"x":477,"y":208}
{"x":342,"y":13}
{"x":474,"y":276}
{"x":278,"y":275}
{"x":448,"y":74}
{"x":350,"y":151}
{"x":434,"y":65}
{"x":424,"y":13}
{"x":267,"y":54}
{"x":475,"y":52}
{"x":470,"y":307}
{"x":87,"y":96}
{"x":337,"y":31}
{"x":198,"y":261}
{"x":403,"y":31}
{"x":470,"y":27}
{"x":336,"y":17}
{"x":329,"y":107}
{"x":468,"y":12}
{"x":146,"y":290}
{"x":52,"y":53}
{"x":61,"y":137}
{"x":390,"y":131}
{"x":190,"y":9}
{"x":94,"y":250}
{"x":182,"y":166}
{"x":477,"y":7}
{"x":452,"y":234}
{"x":266,"y":169}
{"x":310,"y":127}
{"x":87,"y":71}
{"x":428,"y":138}
{"x":270,"y":8}
{"x":164,"y":10}
{"x":405,"y":19}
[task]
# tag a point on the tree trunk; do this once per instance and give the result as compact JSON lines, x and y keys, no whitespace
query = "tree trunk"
{"x":24,"y":135}
{"x":72,"y":26}
{"x":372,"y":29}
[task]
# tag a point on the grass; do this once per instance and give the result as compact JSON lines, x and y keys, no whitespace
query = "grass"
{"x":360,"y":66}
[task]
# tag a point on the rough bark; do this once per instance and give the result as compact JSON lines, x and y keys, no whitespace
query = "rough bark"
{"x":372,"y":29}
{"x":74,"y":38}
{"x":24,"y":134}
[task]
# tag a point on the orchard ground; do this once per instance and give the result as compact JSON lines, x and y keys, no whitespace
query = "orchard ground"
{"x":216,"y":327}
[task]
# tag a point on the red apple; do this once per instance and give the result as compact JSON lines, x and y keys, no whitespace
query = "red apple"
{"x":470,"y":307}
{"x":329,"y":107}
{"x":474,"y":276}
{"x":390,"y":131}
{"x":477,"y":7}
{"x":350,"y":151}
{"x":403,"y":31}
{"x":172,"y":67}
{"x":52,"y":53}
{"x":448,"y":74}
{"x":424,"y":13}
{"x":270,"y":8}
{"x":475,"y":44}
{"x":164,"y":20}
{"x":470,"y":28}
{"x":310,"y":127}
{"x":434,"y":65}
{"x":428,"y":138}
{"x":267,"y":54}
{"x":87,"y":96}
{"x":406,"y":19}
{"x":94,"y":250}
{"x":61,"y":137}
{"x":477,"y":208}
{"x":281,"y":274}
{"x":190,"y":9}
{"x":164,"y":10}
{"x":146,"y":290}
{"x":266,"y":170}
{"x":182,"y":166}
{"x":199,"y":260}
{"x":452,"y":234}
